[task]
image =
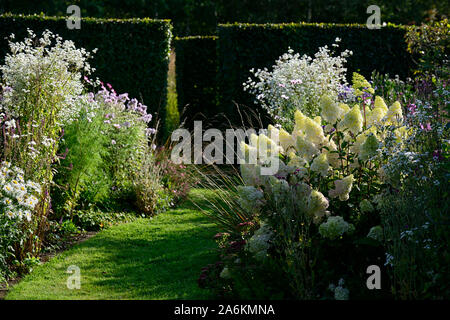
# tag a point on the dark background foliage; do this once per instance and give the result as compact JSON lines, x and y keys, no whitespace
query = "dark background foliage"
{"x":194,"y":17}
{"x":245,"y":46}
{"x":196,"y":65}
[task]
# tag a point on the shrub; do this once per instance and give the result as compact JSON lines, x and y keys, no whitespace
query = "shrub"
{"x":319,"y":206}
{"x":430,"y":45}
{"x":242,"y":47}
{"x":103,"y":148}
{"x":196,"y":67}
{"x":132,"y":53}
{"x":40,"y":80}
{"x":414,"y":208}
{"x":151,"y":196}
{"x":295,"y":83}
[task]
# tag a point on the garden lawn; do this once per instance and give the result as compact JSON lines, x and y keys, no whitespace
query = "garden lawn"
{"x":157,"y":258}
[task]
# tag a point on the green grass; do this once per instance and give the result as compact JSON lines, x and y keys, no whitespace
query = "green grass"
{"x":157,"y":258}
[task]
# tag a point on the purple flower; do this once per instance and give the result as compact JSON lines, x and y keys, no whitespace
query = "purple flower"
{"x":113,"y":142}
{"x":147,"y":118}
{"x":149,"y":131}
{"x":426,"y":128}
{"x":412,"y":108}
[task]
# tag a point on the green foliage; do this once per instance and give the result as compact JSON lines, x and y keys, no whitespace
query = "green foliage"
{"x":430,"y":43}
{"x":196,"y":66}
{"x":132,"y":53}
{"x":202,"y":16}
{"x":95,"y":220}
{"x":242,"y":47}
{"x":10,"y":234}
{"x":151,"y":196}
{"x":82,"y":147}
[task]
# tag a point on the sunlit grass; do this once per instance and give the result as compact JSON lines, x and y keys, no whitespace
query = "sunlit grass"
{"x":157,"y":258}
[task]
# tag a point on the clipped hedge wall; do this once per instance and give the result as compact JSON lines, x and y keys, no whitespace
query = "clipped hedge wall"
{"x":245,"y":46}
{"x":133,"y":54}
{"x":196,"y":68}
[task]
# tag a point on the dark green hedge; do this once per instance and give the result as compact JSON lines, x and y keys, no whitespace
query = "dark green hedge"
{"x":245,"y":46}
{"x":132,"y":54}
{"x":196,"y":68}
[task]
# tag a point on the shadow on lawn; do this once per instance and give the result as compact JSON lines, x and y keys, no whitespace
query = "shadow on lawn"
{"x":154,"y":262}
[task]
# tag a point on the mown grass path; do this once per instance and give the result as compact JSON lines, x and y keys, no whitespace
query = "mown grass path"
{"x":157,"y":258}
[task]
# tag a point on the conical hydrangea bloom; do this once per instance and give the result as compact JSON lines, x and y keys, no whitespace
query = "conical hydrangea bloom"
{"x":317,"y":206}
{"x":320,"y":165}
{"x":353,"y":120}
{"x":342,"y":188}
{"x":394,"y":114}
{"x":369,"y":148}
{"x":331,"y":112}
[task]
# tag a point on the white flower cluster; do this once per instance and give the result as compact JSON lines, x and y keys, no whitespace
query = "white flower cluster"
{"x":39,"y":65}
{"x":297,"y":81}
{"x":18,"y":197}
{"x":376,"y":233}
{"x":258,"y":244}
{"x":335,"y":227}
{"x":250,"y":198}
{"x":340,"y":293}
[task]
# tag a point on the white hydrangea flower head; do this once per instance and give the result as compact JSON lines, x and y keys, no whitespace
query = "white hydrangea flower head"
{"x":366,"y":206}
{"x":331,"y":112}
{"x":342,"y":188}
{"x":258,"y":244}
{"x":353,"y":120}
{"x":332,"y":156}
{"x":314,"y":131}
{"x":368,"y":148}
{"x":376,"y":233}
{"x":335,"y":227}
{"x":305,"y":148}
{"x":250,"y":198}
{"x":320,"y":164}
{"x":317,"y":206}
{"x":394,"y":115}
{"x":286,"y":140}
{"x":379,"y":103}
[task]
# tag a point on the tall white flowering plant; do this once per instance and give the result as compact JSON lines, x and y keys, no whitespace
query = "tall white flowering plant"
{"x":41,"y":81}
{"x":296,"y":82}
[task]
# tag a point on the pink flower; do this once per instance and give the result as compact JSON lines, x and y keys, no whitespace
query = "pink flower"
{"x":113,"y":142}
{"x":426,"y":128}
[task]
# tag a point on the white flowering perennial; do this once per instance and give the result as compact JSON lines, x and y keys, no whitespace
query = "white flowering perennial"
{"x":296,"y":82}
{"x":49,"y":65}
{"x":18,"y":197}
{"x":259,"y":243}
